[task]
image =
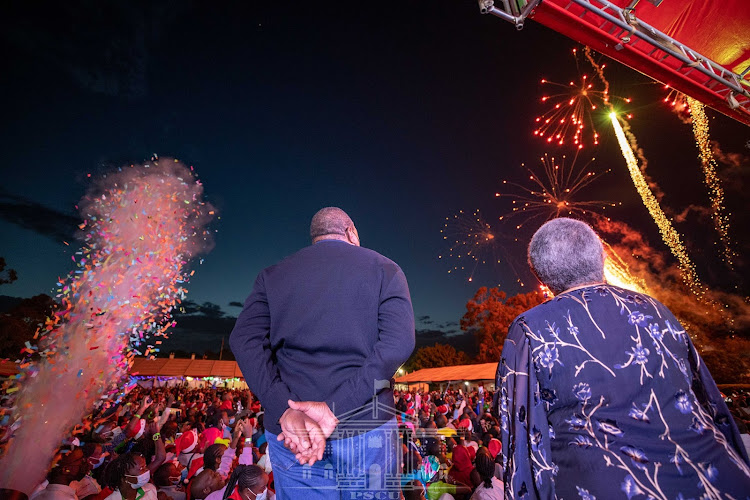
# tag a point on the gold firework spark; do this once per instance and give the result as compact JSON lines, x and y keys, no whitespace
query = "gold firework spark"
{"x":670,"y":236}
{"x":617,"y":272}
{"x":715,"y":191}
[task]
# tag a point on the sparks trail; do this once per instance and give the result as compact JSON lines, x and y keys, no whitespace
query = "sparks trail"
{"x":143,"y":224}
{"x":711,"y":179}
{"x":472,"y":242}
{"x":553,"y":191}
{"x":570,"y":119}
{"x":668,"y":233}
{"x":616,"y":270}
{"x":648,"y":190}
{"x":691,"y":111}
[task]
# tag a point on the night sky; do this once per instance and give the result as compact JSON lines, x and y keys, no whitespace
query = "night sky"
{"x":401,"y":113}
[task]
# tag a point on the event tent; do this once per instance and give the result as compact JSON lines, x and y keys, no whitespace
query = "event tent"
{"x":459,"y":373}
{"x":164,"y":367}
{"x":173,"y":367}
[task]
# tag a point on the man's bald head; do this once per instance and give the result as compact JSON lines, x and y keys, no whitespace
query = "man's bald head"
{"x":205,"y":483}
{"x":332,"y":223}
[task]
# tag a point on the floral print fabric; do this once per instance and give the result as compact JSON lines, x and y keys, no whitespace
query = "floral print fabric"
{"x":603,"y":395}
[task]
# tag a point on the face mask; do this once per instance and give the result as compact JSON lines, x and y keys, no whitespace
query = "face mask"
{"x":98,"y":463}
{"x":141,"y":480}
{"x":262,"y":495}
{"x":231,"y":421}
{"x":175,"y":480}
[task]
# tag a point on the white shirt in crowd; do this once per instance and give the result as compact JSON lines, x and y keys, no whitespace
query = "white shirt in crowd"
{"x":494,"y":493}
{"x":149,"y":493}
{"x":265,"y":462}
{"x":55,"y":492}
{"x":246,"y":458}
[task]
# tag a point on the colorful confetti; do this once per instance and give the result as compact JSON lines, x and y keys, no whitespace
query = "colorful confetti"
{"x":143,"y":224}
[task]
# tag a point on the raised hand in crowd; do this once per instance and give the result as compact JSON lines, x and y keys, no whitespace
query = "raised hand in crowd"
{"x":237,"y":433}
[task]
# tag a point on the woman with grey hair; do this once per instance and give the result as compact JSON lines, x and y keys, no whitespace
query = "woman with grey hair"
{"x":603,"y":394}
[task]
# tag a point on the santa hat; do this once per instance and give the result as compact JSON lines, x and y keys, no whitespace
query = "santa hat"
{"x":140,"y":429}
{"x":408,"y":396}
{"x":465,"y":423}
{"x":186,"y":443}
{"x":494,"y":447}
{"x":442,"y":409}
{"x":410,"y":412}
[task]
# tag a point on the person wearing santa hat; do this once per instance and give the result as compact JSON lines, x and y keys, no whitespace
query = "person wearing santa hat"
{"x":185,"y":447}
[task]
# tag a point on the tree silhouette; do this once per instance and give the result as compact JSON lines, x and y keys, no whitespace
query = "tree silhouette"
{"x":18,"y":325}
{"x":10,"y":275}
{"x":490,"y":313}
{"x":211,"y":310}
{"x":436,"y":356}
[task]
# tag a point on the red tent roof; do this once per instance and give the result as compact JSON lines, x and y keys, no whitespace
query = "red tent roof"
{"x":163,"y":367}
{"x":483,"y":371}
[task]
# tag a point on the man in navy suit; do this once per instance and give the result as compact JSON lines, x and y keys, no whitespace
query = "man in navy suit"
{"x":320,"y":337}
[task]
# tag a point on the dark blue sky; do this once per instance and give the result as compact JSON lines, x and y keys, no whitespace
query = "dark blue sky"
{"x":401,"y":113}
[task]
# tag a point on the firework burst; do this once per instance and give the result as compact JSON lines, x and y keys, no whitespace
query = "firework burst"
{"x":472,"y":242}
{"x":553,"y":192}
{"x":570,"y":117}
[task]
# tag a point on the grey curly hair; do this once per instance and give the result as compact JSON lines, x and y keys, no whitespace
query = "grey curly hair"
{"x":565,"y":253}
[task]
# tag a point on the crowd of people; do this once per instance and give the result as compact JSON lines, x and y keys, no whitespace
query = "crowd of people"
{"x":190,"y":444}
{"x":160,"y":443}
{"x":451,"y":445}
{"x":600,"y":393}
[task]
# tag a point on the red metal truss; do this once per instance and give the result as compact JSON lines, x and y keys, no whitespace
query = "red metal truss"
{"x":618,"y":33}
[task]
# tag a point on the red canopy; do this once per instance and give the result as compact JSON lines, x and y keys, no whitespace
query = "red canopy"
{"x":699,"y":47}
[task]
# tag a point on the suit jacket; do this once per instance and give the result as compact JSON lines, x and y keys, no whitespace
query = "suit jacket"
{"x":325,"y":324}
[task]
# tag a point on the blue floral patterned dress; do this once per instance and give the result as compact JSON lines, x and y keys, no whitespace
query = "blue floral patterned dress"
{"x":604,"y":396}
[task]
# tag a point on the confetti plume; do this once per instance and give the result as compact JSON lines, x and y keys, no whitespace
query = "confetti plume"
{"x":142,"y":225}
